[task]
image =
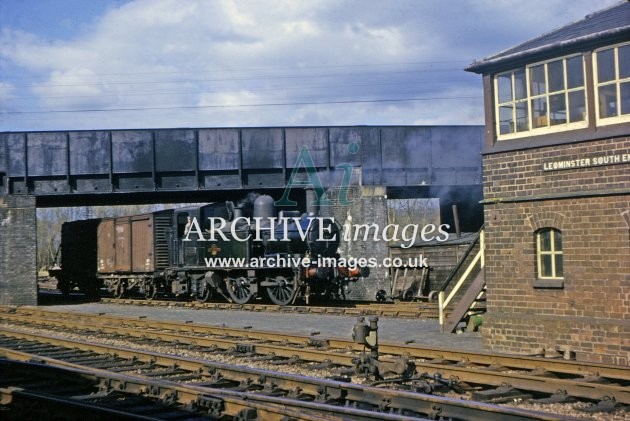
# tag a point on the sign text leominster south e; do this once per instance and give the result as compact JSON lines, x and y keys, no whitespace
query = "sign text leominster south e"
{"x":585,"y":162}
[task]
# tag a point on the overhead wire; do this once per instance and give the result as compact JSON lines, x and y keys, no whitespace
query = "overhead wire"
{"x":242,"y":78}
{"x":265,"y":68}
{"x":385,"y":100}
{"x":274,"y":88}
{"x":229,"y":79}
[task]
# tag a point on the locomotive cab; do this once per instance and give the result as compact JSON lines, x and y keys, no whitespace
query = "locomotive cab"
{"x":192,"y":244}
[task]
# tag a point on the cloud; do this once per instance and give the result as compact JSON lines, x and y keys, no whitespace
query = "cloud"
{"x":6,"y":91}
{"x":226,"y":55}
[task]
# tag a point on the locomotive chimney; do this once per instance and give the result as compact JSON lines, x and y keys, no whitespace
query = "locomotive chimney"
{"x":458,"y":231}
{"x":312,"y":208}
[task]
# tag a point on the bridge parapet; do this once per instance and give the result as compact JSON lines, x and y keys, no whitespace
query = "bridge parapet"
{"x":79,"y":168}
{"x":98,"y":162}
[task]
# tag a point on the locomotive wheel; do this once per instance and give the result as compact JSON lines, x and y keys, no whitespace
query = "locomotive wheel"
{"x":205,"y":294}
{"x":284,"y":291}
{"x":239,"y":290}
{"x":150,"y":291}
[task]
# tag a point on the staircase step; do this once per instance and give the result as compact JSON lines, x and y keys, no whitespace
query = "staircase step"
{"x":462,"y":307}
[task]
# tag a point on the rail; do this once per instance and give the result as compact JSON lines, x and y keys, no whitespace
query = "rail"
{"x":302,"y":394}
{"x":443,"y":299}
{"x":524,"y":373}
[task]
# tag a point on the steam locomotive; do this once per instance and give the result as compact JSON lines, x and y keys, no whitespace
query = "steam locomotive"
{"x":186,"y":252}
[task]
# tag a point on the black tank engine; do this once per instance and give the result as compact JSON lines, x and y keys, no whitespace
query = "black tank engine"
{"x":207,"y":252}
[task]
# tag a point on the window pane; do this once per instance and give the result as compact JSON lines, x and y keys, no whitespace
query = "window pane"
{"x":557,"y":240}
{"x":625,"y":98}
{"x":545,"y":240}
{"x":522,"y":120}
{"x":607,"y":101}
{"x":505,"y":119}
{"x":575,"y":72}
{"x":605,"y":65}
{"x":577,"y":106}
{"x":539,"y":112}
{"x":559,"y":266}
{"x":556,"y":76}
{"x":545,"y":262}
{"x":504,"y":83}
{"x":557,"y":109}
{"x":537,"y":80}
{"x":520,"y":86}
{"x":623,"y":55}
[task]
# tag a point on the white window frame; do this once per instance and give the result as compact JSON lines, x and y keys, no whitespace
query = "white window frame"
{"x":552,"y":252}
{"x":617,"y":82}
{"x":547,"y":129}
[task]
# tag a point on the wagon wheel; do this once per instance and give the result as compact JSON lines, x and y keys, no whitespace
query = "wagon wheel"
{"x":150,"y":291}
{"x":91,"y":289}
{"x":239,"y":290}
{"x":120,"y":289}
{"x":381,"y":296}
{"x":407,"y":295}
{"x":283,"y":291}
{"x":205,"y":294}
{"x":64,"y":288}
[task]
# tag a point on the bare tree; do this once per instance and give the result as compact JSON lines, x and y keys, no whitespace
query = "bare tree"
{"x":414,"y":211}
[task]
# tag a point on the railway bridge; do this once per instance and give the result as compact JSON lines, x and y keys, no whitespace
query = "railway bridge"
{"x":112,"y":167}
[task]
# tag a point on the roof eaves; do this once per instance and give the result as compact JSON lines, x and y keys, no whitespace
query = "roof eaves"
{"x":481,"y":65}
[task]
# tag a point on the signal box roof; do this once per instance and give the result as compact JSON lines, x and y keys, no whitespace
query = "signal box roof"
{"x":600,"y":28}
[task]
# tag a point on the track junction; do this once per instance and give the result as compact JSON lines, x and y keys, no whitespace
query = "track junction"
{"x":401,"y":380}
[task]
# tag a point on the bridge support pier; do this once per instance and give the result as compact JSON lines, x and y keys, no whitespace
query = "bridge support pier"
{"x":18,"y":250}
{"x":368,"y":205}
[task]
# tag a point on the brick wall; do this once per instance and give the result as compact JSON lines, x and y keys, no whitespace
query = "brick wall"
{"x":368,"y":206}
{"x":588,"y":317}
{"x":18,"y":250}
{"x":519,"y":174}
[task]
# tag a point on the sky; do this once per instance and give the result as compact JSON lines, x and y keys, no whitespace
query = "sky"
{"x":115,"y":64}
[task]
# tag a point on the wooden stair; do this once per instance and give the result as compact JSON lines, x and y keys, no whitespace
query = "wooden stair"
{"x":467,"y":304}
{"x":463,"y":293}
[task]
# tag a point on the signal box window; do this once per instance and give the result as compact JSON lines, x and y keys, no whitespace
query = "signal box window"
{"x":549,"y":258}
{"x":543,"y":97}
{"x":612,"y":77}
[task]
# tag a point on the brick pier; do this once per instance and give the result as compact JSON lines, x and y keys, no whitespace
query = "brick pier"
{"x":18,"y":250}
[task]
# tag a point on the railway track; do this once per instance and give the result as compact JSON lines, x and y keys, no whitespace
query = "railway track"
{"x":75,"y":392}
{"x":228,"y":390}
{"x":36,"y":391}
{"x":487,"y":377}
{"x":408,"y":310}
